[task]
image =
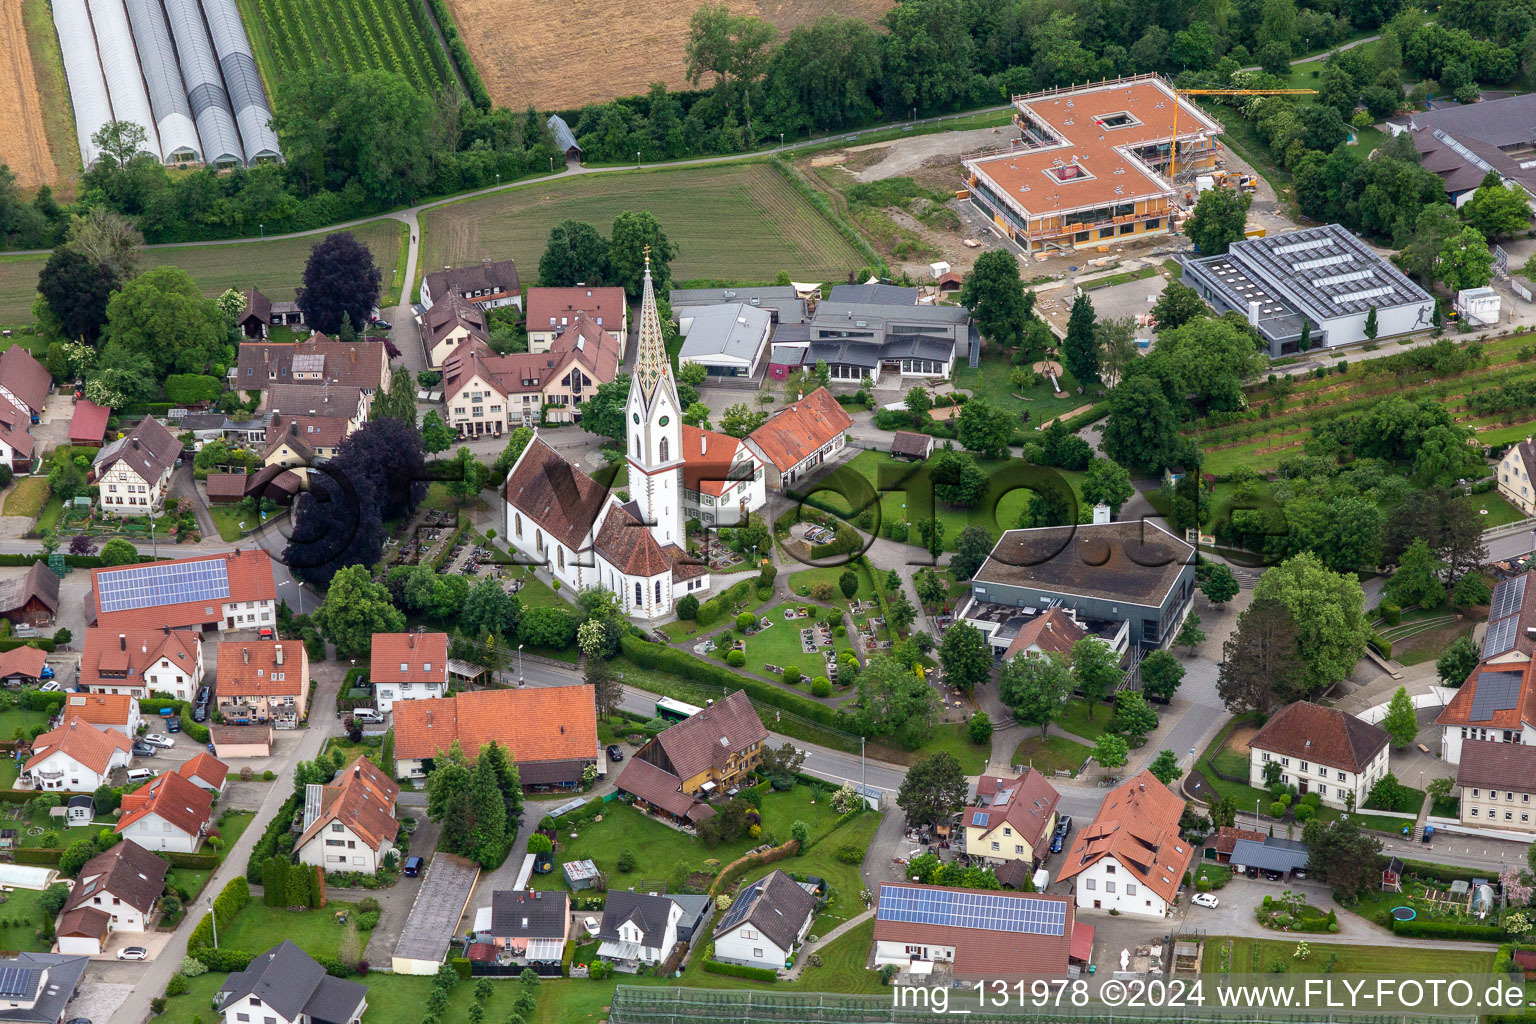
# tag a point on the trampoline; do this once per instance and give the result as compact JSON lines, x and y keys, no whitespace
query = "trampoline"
{"x":1404,"y":913}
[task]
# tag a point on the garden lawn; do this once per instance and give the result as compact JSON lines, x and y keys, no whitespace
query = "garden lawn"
{"x":844,"y":879}
{"x":21,"y":916}
{"x":1264,"y":955}
{"x":232,"y":824}
{"x":1052,"y":754}
{"x":18,"y":718}
{"x":779,"y":645}
{"x":1494,"y":509}
{"x":1218,"y":874}
{"x":952,"y":738}
{"x":992,"y":382}
{"x":228,"y":519}
{"x":1076,"y":721}
{"x":187,"y":880}
{"x":801,"y":583}
{"x":27,"y":496}
{"x":538,"y":594}
{"x":259,"y":927}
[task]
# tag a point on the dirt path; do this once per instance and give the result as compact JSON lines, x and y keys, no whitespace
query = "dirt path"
{"x":906,"y":155}
{"x":25,"y":145}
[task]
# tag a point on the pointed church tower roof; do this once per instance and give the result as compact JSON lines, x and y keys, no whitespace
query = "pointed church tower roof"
{"x":652,"y":368}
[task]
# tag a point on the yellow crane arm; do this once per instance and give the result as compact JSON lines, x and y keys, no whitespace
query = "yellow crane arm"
{"x":1173,"y":146}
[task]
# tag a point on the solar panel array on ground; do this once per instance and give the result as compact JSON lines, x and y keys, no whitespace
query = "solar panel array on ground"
{"x":952,"y":909}
{"x":145,"y":586}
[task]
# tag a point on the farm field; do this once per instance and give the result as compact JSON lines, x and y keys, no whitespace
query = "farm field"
{"x":288,"y":36}
{"x":740,"y":222}
{"x":1285,"y":423}
{"x":276,"y":266}
{"x":22,"y":87}
{"x":522,"y":51}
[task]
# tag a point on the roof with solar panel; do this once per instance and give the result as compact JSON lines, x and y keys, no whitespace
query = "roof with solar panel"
{"x":180,"y":593}
{"x":38,"y":986}
{"x":1500,"y":693}
{"x":1019,"y":933}
{"x":1025,"y":806}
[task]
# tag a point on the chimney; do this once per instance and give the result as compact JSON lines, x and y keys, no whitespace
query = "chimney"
{"x":135,"y":444}
{"x":245,"y":655}
{"x":411,"y":640}
{"x":801,"y":397}
{"x":357,"y":771}
{"x":122,"y":641}
{"x":277,"y":652}
{"x":1253,"y":312}
{"x":703,"y":443}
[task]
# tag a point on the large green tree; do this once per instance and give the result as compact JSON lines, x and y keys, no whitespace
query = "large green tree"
{"x":1095,"y":670}
{"x":1220,"y":218}
{"x":1142,"y":431}
{"x":354,"y":609}
{"x":603,"y":413}
{"x":1465,"y":261}
{"x":1207,"y":361}
{"x":451,"y":799}
{"x":966,"y":656}
{"x":1401,"y":720}
{"x":76,"y":291}
{"x":1107,"y":483}
{"x":896,"y":701}
{"x":933,"y":789}
{"x":1418,"y":579}
{"x":163,"y":316}
{"x":633,"y":232}
{"x":575,"y":253}
{"x":1177,"y":306}
{"x":1457,"y":662}
{"x":1328,"y":611}
{"x":995,"y":295}
{"x":984,"y":428}
{"x":971,"y":549}
{"x":1079,"y":349}
{"x":1496,"y":209}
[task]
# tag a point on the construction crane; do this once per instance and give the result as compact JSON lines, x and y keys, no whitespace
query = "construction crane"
{"x":1173,"y":148}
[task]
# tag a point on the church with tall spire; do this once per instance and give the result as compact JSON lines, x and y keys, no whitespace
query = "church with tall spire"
{"x":583,"y":534}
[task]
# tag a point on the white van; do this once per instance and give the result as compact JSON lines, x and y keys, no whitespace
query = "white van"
{"x":141,"y":774}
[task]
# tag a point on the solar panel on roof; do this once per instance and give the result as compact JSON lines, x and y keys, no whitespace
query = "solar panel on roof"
{"x":309,"y":362}
{"x":145,"y":586}
{"x":739,"y":910}
{"x":1501,"y":636}
{"x":979,"y":820}
{"x":1507,"y":597}
{"x":1496,"y":691}
{"x":17,"y":981}
{"x":988,"y":912}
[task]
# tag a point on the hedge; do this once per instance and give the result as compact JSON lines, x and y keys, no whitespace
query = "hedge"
{"x":846,"y":540}
{"x":73,"y":561}
{"x":151,"y":706}
{"x":461,"y":58}
{"x":461,"y":965}
{"x":10,"y":643}
{"x":223,"y":959}
{"x":1447,"y":930}
{"x":227,"y":904}
{"x":741,"y":971}
{"x":266,"y":846}
{"x":716,"y":606}
{"x":1442,"y":872}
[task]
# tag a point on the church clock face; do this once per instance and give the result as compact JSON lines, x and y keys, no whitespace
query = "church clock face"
{"x":665,"y":420}
{"x":637,"y":419}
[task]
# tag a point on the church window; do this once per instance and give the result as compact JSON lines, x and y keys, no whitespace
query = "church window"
{"x":538,"y":540}
{"x":561,"y":555}
{"x":639,"y":594}
{"x":517,"y":521}
{"x":665,"y":420}
{"x":637,"y":419}
{"x":665,"y":446}
{"x":658,"y":591}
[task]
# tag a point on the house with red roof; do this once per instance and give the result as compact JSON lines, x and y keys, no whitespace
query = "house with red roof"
{"x":88,"y":424}
{"x":722,"y":478}
{"x":349,"y":822}
{"x":552,"y":310}
{"x":1132,"y":858}
{"x":682,"y":766}
{"x":133,"y":472}
{"x":170,"y":813}
{"x":408,"y":666}
{"x":206,"y":771}
{"x":1320,"y":750}
{"x":137,"y":662}
{"x":262,"y":681}
{"x":231,"y":590}
{"x":980,"y":935}
{"x":550,"y":732}
{"x":800,"y":437}
{"x":1011,"y":819}
{"x":116,"y":711}
{"x":77,"y":757}
{"x":20,"y":666}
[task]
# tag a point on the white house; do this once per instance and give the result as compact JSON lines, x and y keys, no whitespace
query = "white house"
{"x":349,"y":823}
{"x":800,"y":437}
{"x":982,"y":936}
{"x":1497,"y":701}
{"x":171,"y":813}
{"x":768,"y":919}
{"x":206,"y":771}
{"x":1320,"y":750}
{"x":285,"y":985}
{"x":722,"y":479}
{"x":1517,"y":476}
{"x":115,"y":711}
{"x":116,"y":892}
{"x":76,"y":756}
{"x":1132,"y":858}
{"x":133,"y":472}
{"x":638,"y":928}
{"x":408,"y":666}
{"x":139,"y":662}
{"x":230,"y":590}
{"x":488,"y":284}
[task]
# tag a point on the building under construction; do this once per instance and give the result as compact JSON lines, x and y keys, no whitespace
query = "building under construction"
{"x":1090,"y":164}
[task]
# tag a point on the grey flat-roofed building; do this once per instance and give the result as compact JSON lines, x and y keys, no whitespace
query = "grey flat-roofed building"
{"x":882,"y":294}
{"x":1132,"y":572}
{"x":1324,"y":276}
{"x":728,"y":340}
{"x":887,"y":330}
{"x":781,"y":302}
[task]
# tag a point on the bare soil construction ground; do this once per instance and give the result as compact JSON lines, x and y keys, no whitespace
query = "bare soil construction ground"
{"x":24,"y":144}
{"x":525,"y":50}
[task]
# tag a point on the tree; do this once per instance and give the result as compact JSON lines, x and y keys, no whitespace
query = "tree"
{"x":1372,"y":325}
{"x":1260,"y":665}
{"x":995,"y":295}
{"x":1165,"y":767}
{"x":607,"y":687}
{"x":1116,"y":339}
{"x":162,"y":316}
{"x":469,"y":476}
{"x":1095,"y":670}
{"x":1177,"y":306}
{"x":929,"y":586}
{"x":1464,"y":260}
{"x":1134,"y":717}
{"x":896,"y":701}
{"x":984,"y":429}
{"x":74,"y":857}
{"x":1417,"y":580}
{"x":633,"y":233}
{"x":450,"y":800}
{"x":1219,"y":584}
{"x":341,"y":284}
{"x":1401,"y":721}
{"x":552,"y":628}
{"x":781,"y":764}
{"x":488,"y":611}
{"x":1161,"y":674}
{"x":979,"y":728}
{"x":76,"y":291}
{"x":1220,"y":218}
{"x":1343,"y":856}
{"x":121,"y":141}
{"x":1496,"y":210}
{"x":1079,"y":350}
{"x":1142,"y":431}
{"x":1327,"y":607}
{"x":848,"y":583}
{"x":118,"y":551}
{"x":354,"y":609}
{"x":739,"y":420}
{"x":1107,"y":483}
{"x":487,"y":840}
{"x":436,"y":436}
{"x":918,"y":403}
{"x":1471,"y":590}
{"x":516,"y":442}
{"x":603,"y":413}
{"x":735,"y":48}
{"x":109,"y":240}
{"x":902,"y":614}
{"x":576,"y":252}
{"x":957,"y":479}
{"x":1035,"y":690}
{"x":1190,"y":634}
{"x":1457,"y":662}
{"x":398,"y":402}
{"x":965,"y":655}
{"x":934,"y":788}
{"x":1111,"y":751}
{"x":697,"y":415}
{"x":971,"y":549}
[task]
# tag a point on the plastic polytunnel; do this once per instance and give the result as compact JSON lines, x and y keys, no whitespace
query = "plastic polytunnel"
{"x":120,"y":66}
{"x":82,"y":66}
{"x":167,"y":92}
{"x":205,"y":85}
{"x":246,"y":97}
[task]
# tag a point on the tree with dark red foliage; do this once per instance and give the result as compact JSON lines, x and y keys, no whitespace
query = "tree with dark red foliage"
{"x":341,"y":282}
{"x":81,"y":544}
{"x":378,"y":475}
{"x":76,"y":291}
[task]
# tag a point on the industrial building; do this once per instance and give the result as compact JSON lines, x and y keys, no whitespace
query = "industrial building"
{"x":1324,"y":277}
{"x":1089,"y":164}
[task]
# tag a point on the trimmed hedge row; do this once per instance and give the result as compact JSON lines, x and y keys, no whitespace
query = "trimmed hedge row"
{"x":460,"y":54}
{"x":226,"y":904}
{"x":1447,"y":930}
{"x":266,"y":846}
{"x":223,"y":959}
{"x":741,"y":971}
{"x":46,"y":856}
{"x":152,"y":706}
{"x":73,"y":561}
{"x":1441,"y":872}
{"x":10,"y":643}
{"x":722,"y":602}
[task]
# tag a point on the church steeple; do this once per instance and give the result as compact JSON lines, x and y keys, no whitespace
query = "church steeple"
{"x":652,"y":368}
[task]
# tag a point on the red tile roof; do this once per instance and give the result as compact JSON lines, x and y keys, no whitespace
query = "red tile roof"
{"x":186,"y":805}
{"x":227,"y":485}
{"x":113,"y":658}
{"x":655,"y":786}
{"x":88,"y":423}
{"x":546,"y":304}
{"x":1327,"y":736}
{"x":628,"y":545}
{"x":986,"y":952}
{"x":1227,"y":837}
{"x":708,"y":739}
{"x":362,"y":798}
{"x":23,"y":661}
{"x":150,"y":450}
{"x":361,"y":364}
{"x":555,"y":495}
{"x":1137,"y":825}
{"x":250,"y":579}
{"x":206,"y":767}
{"x":25,"y":377}
{"x":545,"y":723}
{"x":409,"y":658}
{"x":250,"y":668}
{"x":1053,"y":632}
{"x":127,"y":871}
{"x":87,"y":744}
{"x":793,"y":434}
{"x":707,"y":460}
{"x":100,"y":708}
{"x":1025,"y":804}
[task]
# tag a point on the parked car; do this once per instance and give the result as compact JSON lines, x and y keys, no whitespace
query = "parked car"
{"x":382,"y":325}
{"x":1063,"y":824}
{"x":159,"y":739}
{"x":141,"y":774}
{"x":202,"y":696}
{"x":265,"y":633}
{"x":142,"y":749}
{"x":173,"y":725}
{"x":592,"y":925}
{"x":1057,"y":841}
{"x":1204,"y":899}
{"x":52,"y":686}
{"x":367,"y":715}
{"x":412,"y":867}
{"x":198,"y":713}
{"x":1273,"y":876}
{"x":133,"y":953}
{"x":615,"y":754}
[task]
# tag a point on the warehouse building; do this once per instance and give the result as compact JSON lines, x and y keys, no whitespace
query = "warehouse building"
{"x":1088,"y":166}
{"x":1324,"y":277}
